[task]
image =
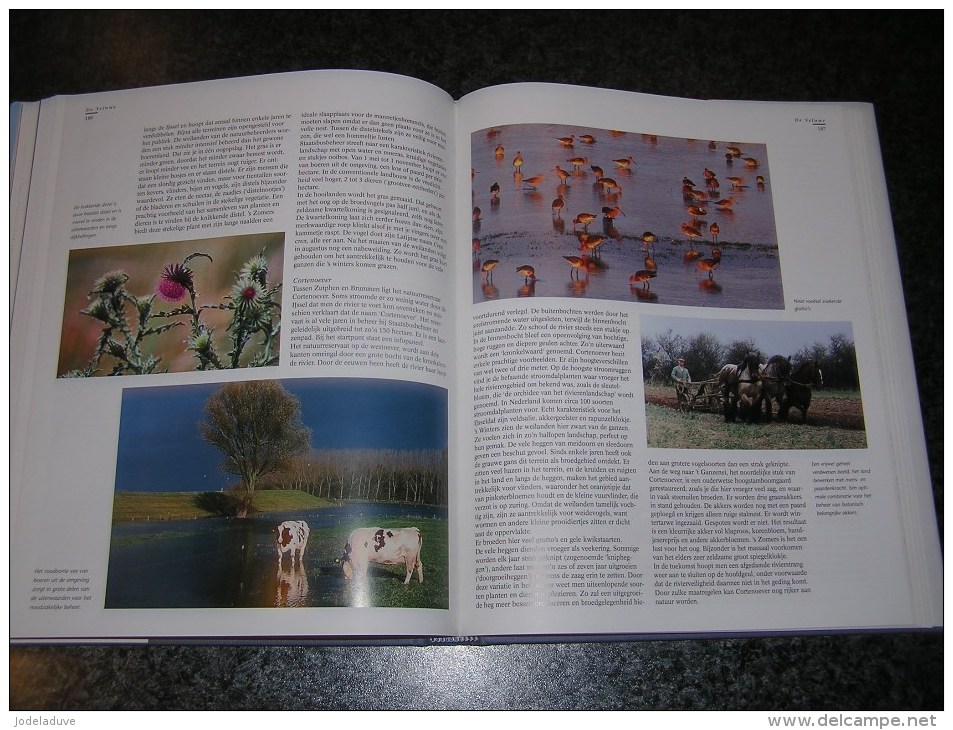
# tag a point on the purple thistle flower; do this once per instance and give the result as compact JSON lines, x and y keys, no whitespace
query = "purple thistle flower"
{"x":175,"y":283}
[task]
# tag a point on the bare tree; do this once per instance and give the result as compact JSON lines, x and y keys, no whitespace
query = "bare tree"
{"x":257,"y":427}
{"x":704,"y":354}
{"x":737,"y":350}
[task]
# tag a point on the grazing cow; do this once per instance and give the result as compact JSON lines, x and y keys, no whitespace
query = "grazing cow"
{"x":367,"y":545}
{"x":292,"y":538}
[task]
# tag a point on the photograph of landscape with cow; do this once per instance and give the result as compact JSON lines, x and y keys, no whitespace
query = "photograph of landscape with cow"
{"x":281,"y":493}
{"x":742,"y":384}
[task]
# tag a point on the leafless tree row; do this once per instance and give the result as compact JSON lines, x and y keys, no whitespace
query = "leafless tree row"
{"x":375,"y":475}
{"x":705,"y":354}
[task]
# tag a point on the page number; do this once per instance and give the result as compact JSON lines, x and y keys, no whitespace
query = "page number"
{"x":92,"y":111}
{"x":819,"y":125}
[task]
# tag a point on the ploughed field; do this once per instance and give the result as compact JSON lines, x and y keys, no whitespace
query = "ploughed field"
{"x":841,"y":410}
{"x":835,"y":420}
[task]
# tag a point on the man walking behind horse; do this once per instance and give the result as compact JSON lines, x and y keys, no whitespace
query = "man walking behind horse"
{"x":682,"y":378}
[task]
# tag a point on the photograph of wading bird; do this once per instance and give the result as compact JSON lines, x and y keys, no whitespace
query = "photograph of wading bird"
{"x":691,"y":231}
{"x":610,"y":186}
{"x":527,"y":272}
{"x":643,"y":276}
{"x":711,"y":264}
{"x":577,"y":264}
{"x":533,"y":181}
{"x":590,"y":243}
{"x":583,"y":219}
{"x":673,"y":209}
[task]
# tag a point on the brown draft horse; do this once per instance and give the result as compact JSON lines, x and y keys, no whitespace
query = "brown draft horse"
{"x":803,"y":380}
{"x":775,"y":378}
{"x":743,"y":377}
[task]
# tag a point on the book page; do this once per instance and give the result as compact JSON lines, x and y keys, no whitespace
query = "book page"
{"x":682,"y":419}
{"x":233,"y":328}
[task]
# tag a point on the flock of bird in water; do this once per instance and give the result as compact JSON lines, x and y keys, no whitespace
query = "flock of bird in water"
{"x":697,"y":204}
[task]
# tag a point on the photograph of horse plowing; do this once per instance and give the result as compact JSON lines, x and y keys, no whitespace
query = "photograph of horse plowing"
{"x":721,"y":384}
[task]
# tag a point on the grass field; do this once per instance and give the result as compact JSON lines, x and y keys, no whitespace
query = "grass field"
{"x":196,"y":505}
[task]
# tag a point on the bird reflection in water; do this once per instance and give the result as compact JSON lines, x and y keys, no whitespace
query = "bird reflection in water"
{"x":577,"y":287}
{"x":610,"y":230}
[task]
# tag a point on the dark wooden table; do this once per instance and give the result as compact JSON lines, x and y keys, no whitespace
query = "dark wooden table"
{"x":892,"y":59}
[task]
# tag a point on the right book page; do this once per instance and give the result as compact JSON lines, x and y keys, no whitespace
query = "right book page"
{"x":692,"y":399}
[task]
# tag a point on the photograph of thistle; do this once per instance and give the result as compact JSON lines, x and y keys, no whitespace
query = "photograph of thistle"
{"x":178,"y":306}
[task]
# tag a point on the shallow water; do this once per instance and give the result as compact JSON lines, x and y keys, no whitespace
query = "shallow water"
{"x":227,"y":563}
{"x":520,"y":228}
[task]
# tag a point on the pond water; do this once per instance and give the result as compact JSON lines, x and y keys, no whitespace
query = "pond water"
{"x":229,"y":563}
{"x":520,"y":228}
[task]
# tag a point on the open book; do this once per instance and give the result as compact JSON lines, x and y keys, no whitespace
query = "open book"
{"x":330,"y":356}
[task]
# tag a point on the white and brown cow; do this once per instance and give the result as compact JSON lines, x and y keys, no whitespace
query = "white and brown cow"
{"x":291,"y":538}
{"x":386,"y":546}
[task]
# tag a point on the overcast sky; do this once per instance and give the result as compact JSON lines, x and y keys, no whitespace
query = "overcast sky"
{"x":772,"y":338}
{"x":162,"y":450}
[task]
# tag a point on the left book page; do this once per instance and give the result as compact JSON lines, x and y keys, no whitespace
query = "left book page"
{"x":231,"y":348}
